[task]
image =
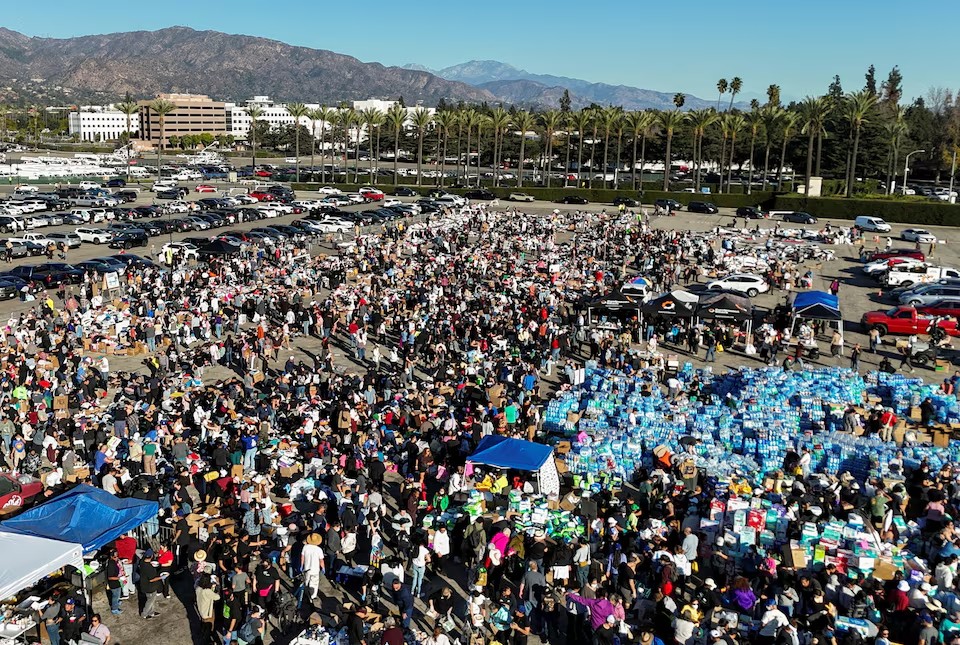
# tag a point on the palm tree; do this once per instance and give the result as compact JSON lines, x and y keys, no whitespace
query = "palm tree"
{"x":700,"y":120}
{"x":128,"y":107}
{"x":669,"y":121}
{"x":771,"y":116}
{"x":815,"y":110}
{"x":754,"y":121}
{"x":858,"y":107}
{"x":499,"y":121}
{"x":550,"y":120}
{"x":161,"y":107}
{"x":315,"y":115}
{"x":597,"y":116}
{"x":445,"y":121}
{"x":469,"y":119}
{"x":396,"y":118}
{"x":724,"y":122}
{"x":421,"y":120}
{"x":618,"y":128}
{"x":254,"y":112}
{"x":524,"y":122}
{"x":484,"y":122}
{"x":773,"y":95}
{"x":581,"y":120}
{"x":297,"y":111}
{"x":893,"y":131}
{"x":372,"y":119}
{"x":722,"y":86}
{"x":566,"y":122}
{"x":324,"y":115}
{"x":610,"y":118}
{"x":679,"y":99}
{"x":737,"y":124}
{"x":735,"y":86}
{"x":789,"y":124}
{"x":638,"y":124}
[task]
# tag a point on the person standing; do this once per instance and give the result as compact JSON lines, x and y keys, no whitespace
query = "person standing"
{"x":149,"y":584}
{"x":206,"y":601}
{"x":51,"y":617}
{"x":114,"y":573}
{"x":311,"y":563}
{"x":855,"y":357}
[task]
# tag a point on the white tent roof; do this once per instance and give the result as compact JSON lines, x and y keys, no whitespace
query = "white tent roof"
{"x":32,"y":558}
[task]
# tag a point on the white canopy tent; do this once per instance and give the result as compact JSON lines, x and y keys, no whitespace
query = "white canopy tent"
{"x":31,"y":558}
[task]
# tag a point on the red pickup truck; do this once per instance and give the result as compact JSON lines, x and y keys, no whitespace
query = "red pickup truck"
{"x":897,"y":253}
{"x":17,"y":492}
{"x":905,"y":321}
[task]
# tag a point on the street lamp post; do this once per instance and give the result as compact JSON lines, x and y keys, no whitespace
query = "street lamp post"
{"x":906,"y":168}
{"x":953,"y":174}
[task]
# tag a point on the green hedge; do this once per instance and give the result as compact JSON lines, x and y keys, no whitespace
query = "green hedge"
{"x":594,"y":195}
{"x":922,"y":213}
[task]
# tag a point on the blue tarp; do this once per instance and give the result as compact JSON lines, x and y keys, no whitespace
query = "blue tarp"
{"x":817,"y":305}
{"x":503,"y":452}
{"x":84,"y":515}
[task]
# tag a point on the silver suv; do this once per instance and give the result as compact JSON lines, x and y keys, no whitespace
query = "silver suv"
{"x":929,"y":293}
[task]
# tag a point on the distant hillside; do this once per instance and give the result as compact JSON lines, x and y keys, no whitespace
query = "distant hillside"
{"x":222,"y":65}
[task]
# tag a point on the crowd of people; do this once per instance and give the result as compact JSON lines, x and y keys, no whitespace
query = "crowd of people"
{"x":304,"y":420}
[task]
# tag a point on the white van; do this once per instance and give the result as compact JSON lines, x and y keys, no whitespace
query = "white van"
{"x":869,"y":223}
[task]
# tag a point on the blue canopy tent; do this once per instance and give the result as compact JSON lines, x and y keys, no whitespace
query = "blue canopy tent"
{"x":816,"y":305}
{"x":83,"y":515}
{"x":517,"y":454}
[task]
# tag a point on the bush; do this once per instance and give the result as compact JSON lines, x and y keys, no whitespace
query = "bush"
{"x":905,"y":212}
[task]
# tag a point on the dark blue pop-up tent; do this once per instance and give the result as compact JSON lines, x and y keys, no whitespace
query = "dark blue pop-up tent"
{"x":84,"y":515}
{"x":517,"y":454}
{"x":817,"y":305}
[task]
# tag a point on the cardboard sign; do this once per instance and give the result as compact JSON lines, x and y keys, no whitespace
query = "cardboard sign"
{"x":60,"y":402}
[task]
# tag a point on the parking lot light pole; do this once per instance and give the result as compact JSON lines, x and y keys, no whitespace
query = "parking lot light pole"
{"x":906,"y":168}
{"x":953,"y":174}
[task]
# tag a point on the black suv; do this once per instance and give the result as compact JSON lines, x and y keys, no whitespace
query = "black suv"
{"x":629,"y":202}
{"x":668,"y":204}
{"x":750,"y":212}
{"x":702,"y":207}
{"x":51,"y":274}
{"x":129,"y":239}
{"x":479,"y":194}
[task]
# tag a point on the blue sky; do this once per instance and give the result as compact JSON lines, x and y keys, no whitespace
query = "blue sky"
{"x":665,"y":46}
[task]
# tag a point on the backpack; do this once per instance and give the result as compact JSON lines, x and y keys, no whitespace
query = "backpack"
{"x":247,"y":633}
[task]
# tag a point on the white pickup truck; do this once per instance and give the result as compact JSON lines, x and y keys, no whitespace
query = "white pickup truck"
{"x":36,"y":238}
{"x":905,"y":276}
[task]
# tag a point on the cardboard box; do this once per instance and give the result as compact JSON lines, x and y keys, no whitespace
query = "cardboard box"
{"x":794,"y":556}
{"x":236,"y":470}
{"x":884,"y":569}
{"x":60,"y":402}
{"x":289,"y":472}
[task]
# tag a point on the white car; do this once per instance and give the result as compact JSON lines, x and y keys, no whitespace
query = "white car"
{"x":285,"y":209}
{"x":332,"y":225}
{"x":178,"y":207}
{"x":749,"y":284}
{"x":329,"y":190}
{"x":95,"y":235}
{"x":918,"y":235}
{"x":26,"y":188}
{"x":89,"y":185}
{"x":355,"y":198}
{"x":390,"y":201}
{"x":308,"y":204}
{"x":269,"y":211}
{"x":185,"y":249}
{"x":163,"y":184}
{"x":198,"y":224}
{"x":882,"y":266}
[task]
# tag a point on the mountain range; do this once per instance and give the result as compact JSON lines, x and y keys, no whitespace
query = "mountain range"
{"x":224,"y":66}
{"x":103,"y":68}
{"x":519,"y":86}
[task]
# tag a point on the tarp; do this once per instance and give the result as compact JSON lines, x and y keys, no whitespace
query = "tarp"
{"x":84,"y":515}
{"x":31,"y":558}
{"x":504,"y":452}
{"x":219,"y":247}
{"x":817,"y":305}
{"x":724,"y":306}
{"x":675,"y":303}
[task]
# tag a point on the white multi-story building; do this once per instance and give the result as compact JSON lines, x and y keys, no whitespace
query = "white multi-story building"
{"x":101,"y":123}
{"x":276,"y":114}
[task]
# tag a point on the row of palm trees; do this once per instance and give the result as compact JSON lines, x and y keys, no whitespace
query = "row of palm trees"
{"x":486,"y":132}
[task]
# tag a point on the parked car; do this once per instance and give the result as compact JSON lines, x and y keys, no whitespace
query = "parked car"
{"x":18,"y":492}
{"x":667,"y":204}
{"x":95,"y":235}
{"x":129,"y":239}
{"x":205,"y":188}
{"x":872,"y":224}
{"x":926,"y":294}
{"x":520,"y":197}
{"x":572,"y":199}
{"x":897,"y":253}
{"x":185,"y":249}
{"x":748,"y":284}
{"x":750,"y":212}
{"x":918,"y":235}
{"x":51,"y":274}
{"x":479,"y":194}
{"x":170,"y":193}
{"x":799,"y":217}
{"x":906,"y":321}
{"x":707,"y":208}
{"x":629,"y":202}
{"x":70,"y":240}
{"x":116,"y":182}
